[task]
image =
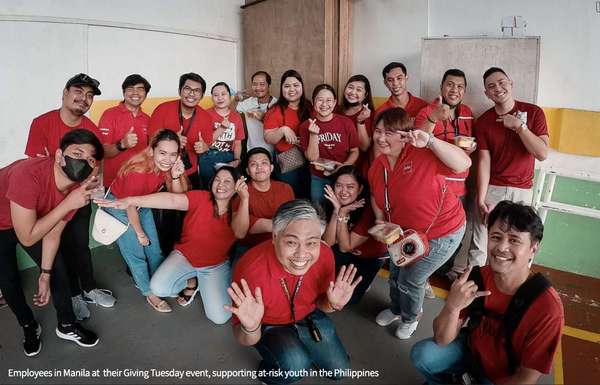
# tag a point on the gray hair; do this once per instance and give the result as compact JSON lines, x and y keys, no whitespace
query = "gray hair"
{"x":297,"y":209}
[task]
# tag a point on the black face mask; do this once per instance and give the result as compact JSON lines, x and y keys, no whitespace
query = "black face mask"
{"x":77,"y":170}
{"x":354,"y":104}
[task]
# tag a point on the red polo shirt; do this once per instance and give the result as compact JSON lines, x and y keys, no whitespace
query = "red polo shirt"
{"x":30,"y":184}
{"x":166,"y":115}
{"x":225,"y":142}
{"x":370,"y":248}
{"x":446,"y":130}
{"x":412,"y":108}
{"x":137,"y":183}
{"x":114,"y":125}
{"x":415,"y":191}
{"x":275,"y":119}
{"x":47,"y":130}
{"x":511,"y":164}
{"x":261,"y":268}
{"x":205,"y":240}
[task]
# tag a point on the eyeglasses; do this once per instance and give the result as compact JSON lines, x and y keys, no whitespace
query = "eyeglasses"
{"x":189,"y":91}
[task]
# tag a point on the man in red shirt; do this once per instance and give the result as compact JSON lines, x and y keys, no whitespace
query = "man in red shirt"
{"x":510,"y":136}
{"x":38,"y":196}
{"x":515,"y":233}
{"x":44,"y":137}
{"x":281,"y":291}
{"x":124,"y":128}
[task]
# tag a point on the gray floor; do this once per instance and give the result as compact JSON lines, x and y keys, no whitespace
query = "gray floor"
{"x":135,"y":337}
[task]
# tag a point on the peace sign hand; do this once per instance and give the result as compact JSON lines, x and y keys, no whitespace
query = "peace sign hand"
{"x":247,"y":307}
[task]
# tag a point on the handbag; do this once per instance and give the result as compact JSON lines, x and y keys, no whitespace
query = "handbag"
{"x":290,"y":160}
{"x":107,"y":229}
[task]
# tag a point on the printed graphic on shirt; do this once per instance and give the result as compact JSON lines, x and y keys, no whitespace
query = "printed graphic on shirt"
{"x":328,"y":139}
{"x":225,"y":141}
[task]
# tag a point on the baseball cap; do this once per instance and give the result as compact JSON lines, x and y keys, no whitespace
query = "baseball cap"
{"x":84,"y":80}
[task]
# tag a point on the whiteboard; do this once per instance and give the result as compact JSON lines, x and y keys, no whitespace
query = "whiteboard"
{"x":518,"y":57}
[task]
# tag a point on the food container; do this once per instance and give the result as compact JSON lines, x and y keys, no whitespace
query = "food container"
{"x":386,"y":232}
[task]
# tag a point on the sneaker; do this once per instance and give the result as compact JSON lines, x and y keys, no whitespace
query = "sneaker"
{"x":406,"y":329}
{"x":100,"y":297}
{"x":80,"y":308}
{"x":32,"y":343}
{"x":429,"y":290}
{"x":77,"y":333}
{"x":386,"y":317}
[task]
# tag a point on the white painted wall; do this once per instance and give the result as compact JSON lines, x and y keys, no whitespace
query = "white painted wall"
{"x":41,"y":54}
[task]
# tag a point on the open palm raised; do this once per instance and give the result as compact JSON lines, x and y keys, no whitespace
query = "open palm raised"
{"x":340,"y":292}
{"x":247,"y":307}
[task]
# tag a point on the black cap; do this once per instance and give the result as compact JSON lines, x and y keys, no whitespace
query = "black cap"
{"x":259,"y":150}
{"x":84,"y":80}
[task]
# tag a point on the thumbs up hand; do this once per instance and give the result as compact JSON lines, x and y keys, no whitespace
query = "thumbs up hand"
{"x":440,"y":110}
{"x":200,"y":146}
{"x":130,"y":139}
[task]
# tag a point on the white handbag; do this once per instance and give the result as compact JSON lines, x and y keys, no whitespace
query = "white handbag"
{"x":107,"y":229}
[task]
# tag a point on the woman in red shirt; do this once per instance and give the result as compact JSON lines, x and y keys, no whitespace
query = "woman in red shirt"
{"x":281,"y":129}
{"x":142,"y":174}
{"x":199,"y":262}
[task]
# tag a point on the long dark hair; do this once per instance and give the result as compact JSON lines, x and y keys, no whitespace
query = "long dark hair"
{"x":236,"y":175}
{"x":368,"y":94}
{"x":304,"y":105}
{"x":364,"y":194}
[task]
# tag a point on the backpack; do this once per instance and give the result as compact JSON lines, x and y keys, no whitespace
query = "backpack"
{"x":520,"y":302}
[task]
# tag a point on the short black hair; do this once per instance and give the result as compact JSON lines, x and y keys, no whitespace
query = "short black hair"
{"x":391,"y":66}
{"x":258,"y":150}
{"x":454,"y":72}
{"x":265,"y":73}
{"x":322,"y":87}
{"x":221,"y":84}
{"x":492,"y":70}
{"x":519,"y":217}
{"x":82,"y":136}
{"x":134,"y":79}
{"x":194,"y":77}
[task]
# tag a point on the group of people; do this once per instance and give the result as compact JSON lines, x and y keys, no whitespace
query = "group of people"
{"x":263,"y":206}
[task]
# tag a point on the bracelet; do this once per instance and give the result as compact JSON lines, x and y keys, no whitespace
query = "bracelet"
{"x":250,"y":331}
{"x":361,"y":123}
{"x":430,"y":120}
{"x":175,"y":178}
{"x":46,"y":271}
{"x":430,"y":141}
{"x":120,"y":146}
{"x":343,"y":219}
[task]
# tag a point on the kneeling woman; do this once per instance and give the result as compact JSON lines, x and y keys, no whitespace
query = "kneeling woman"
{"x":349,"y":219}
{"x":142,"y":174}
{"x":199,"y":261}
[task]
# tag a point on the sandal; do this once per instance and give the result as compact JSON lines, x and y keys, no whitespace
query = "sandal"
{"x":186,"y":296}
{"x":161,"y":307}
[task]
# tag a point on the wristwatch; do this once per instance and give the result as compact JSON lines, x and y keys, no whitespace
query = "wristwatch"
{"x":522,"y":127}
{"x":120,"y":146}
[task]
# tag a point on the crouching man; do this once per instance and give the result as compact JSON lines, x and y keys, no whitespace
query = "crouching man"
{"x":515,"y":317}
{"x":281,"y":292}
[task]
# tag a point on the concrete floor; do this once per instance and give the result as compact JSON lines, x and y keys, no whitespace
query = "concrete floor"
{"x":133,"y":337}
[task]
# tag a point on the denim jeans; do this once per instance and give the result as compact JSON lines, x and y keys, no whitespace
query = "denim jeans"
{"x":141,"y":260}
{"x":366,"y":266}
{"x":407,"y":284}
{"x":213,"y":281}
{"x":298,"y":180}
{"x":207,"y":162}
{"x":317,"y":189}
{"x":292,"y":350}
{"x":443,"y":364}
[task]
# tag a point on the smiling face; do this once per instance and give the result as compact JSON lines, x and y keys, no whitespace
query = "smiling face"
{"x":324,"y":103}
{"x":78,"y":99}
{"x":135,"y":95}
{"x":346,"y":189}
{"x":298,"y":246}
{"x":453,"y":89}
{"x":259,"y":167}
{"x":221,"y":97}
{"x":191,"y":93}
{"x":223,"y":186}
{"x":260,"y":87}
{"x":498,"y":88}
{"x":387,"y":142}
{"x":165,"y":154}
{"x":395,"y":81}
{"x":291,"y":89}
{"x":509,"y":250}
{"x":355,"y":93}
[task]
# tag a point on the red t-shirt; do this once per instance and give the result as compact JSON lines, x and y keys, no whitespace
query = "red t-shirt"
{"x":47,"y":130}
{"x":275,"y":119}
{"x":336,"y":138}
{"x":370,"y":248}
{"x":511,"y":164}
{"x":30,"y":184}
{"x":261,"y":268}
{"x":412,"y":108}
{"x":415,"y":191}
{"x":166,"y":115}
{"x":205,"y":240}
{"x":264,"y":205}
{"x":137,"y":183}
{"x":364,"y":158}
{"x":535,"y":340}
{"x":225,"y":142}
{"x":114,"y":125}
{"x":447,"y":130}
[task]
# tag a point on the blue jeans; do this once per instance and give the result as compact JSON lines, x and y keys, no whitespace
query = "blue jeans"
{"x":292,"y":350}
{"x":297,"y":179}
{"x":443,"y":364}
{"x":143,"y":261}
{"x":407,"y":284}
{"x":213,"y":281}
{"x":317,"y":189}
{"x":207,"y":162}
{"x":366,"y":266}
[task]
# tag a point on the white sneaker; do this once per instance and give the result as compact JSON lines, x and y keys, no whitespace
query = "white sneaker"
{"x":100,"y":297}
{"x":405,"y":330}
{"x":386,"y":317}
{"x":429,"y":290}
{"x":80,"y":308}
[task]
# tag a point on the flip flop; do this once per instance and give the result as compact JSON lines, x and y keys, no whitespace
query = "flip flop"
{"x":186,"y":299}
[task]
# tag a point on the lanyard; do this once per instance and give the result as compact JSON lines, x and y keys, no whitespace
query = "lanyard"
{"x":184,"y":133}
{"x":289,"y":297}
{"x":268,"y":102}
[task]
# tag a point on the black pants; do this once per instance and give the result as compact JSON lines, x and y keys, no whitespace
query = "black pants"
{"x":367,"y":267}
{"x":10,"y":280}
{"x":75,"y":248}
